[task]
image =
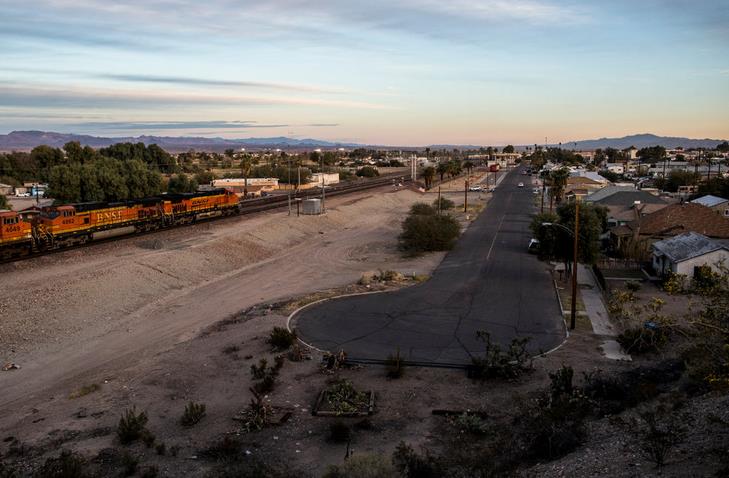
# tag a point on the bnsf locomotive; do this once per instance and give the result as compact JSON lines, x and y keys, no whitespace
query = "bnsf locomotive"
{"x":61,"y":226}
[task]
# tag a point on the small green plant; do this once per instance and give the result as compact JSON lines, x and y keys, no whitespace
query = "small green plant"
{"x":194,"y":412}
{"x":394,"y":365}
{"x":445,"y":204}
{"x":131,"y":426}
{"x":66,"y":465}
{"x":343,"y":398}
{"x":259,"y":371}
{"x":674,"y":283}
{"x":281,"y":338}
{"x":258,"y":415}
{"x":339,"y":432}
{"x":363,"y":466}
{"x":471,"y":423}
{"x":85,"y":390}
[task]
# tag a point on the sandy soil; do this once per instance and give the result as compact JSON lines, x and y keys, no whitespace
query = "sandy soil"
{"x":102,"y":308}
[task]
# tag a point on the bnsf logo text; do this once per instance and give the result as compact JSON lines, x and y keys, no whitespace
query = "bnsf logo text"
{"x":110,"y":216}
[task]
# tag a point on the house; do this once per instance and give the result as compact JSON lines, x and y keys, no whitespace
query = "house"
{"x":667,"y":222}
{"x":627,"y":204}
{"x":684,"y":253}
{"x":716,"y":203}
{"x":589,"y":175}
{"x":617,"y":168}
{"x":6,"y":189}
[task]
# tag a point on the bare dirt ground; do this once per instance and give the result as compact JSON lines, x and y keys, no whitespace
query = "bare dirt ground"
{"x":156,"y":321}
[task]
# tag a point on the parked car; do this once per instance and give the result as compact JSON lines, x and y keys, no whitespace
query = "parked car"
{"x":521,"y":185}
{"x":533,"y":247}
{"x":475,"y":188}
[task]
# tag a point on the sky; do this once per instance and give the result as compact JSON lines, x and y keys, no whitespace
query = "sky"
{"x":388,"y":72}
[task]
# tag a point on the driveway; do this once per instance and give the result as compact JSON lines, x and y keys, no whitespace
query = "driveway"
{"x":487,"y":282}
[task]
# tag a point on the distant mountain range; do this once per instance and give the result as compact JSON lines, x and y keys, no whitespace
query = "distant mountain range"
{"x":641,"y":141}
{"x":26,"y":140}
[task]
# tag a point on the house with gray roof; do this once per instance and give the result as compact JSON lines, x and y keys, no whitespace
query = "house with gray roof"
{"x":682,"y":254}
{"x":626,"y":204}
{"x":716,"y":203}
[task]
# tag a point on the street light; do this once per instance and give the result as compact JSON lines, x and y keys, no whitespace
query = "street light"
{"x":575,"y":235}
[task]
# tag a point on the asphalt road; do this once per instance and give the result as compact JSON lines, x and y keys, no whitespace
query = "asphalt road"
{"x":487,"y":282}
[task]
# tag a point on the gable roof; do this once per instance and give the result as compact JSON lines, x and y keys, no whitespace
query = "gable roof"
{"x":709,"y":200}
{"x":608,"y":191}
{"x":679,"y":218}
{"x":627,"y":198}
{"x":686,"y":246}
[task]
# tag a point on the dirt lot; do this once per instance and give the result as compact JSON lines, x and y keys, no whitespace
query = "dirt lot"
{"x":156,"y":321}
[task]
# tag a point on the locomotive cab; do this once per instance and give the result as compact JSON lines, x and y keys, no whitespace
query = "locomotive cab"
{"x":16,"y":237}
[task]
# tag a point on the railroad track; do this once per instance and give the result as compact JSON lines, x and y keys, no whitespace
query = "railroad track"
{"x":247,"y":206}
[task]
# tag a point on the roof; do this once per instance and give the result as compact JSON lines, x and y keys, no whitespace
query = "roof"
{"x":679,"y":218}
{"x":709,"y":200}
{"x":627,"y":198}
{"x":632,"y":212}
{"x":589,"y":175}
{"x":608,"y":191}
{"x":582,"y":180}
{"x":686,"y":246}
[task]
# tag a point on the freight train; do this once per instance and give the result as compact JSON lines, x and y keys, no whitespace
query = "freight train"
{"x":55,"y":227}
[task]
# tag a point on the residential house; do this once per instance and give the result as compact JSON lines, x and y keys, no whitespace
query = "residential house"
{"x":6,"y":189}
{"x":716,"y":203}
{"x":684,"y":253}
{"x":626,"y":204}
{"x":638,"y":235}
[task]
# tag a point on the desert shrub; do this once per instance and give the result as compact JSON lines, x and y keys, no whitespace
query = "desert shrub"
{"x":674,"y":283}
{"x":422,"y":233}
{"x":257,"y":415}
{"x":194,"y":412}
{"x":281,"y":338}
{"x":445,"y":204}
{"x":705,"y":280}
{"x":363,"y":466}
{"x":296,"y":354}
{"x":662,"y":432}
{"x":66,"y":465}
{"x":422,"y":209}
{"x":367,"y":172}
{"x":707,"y":365}
{"x":249,"y":467}
{"x":498,"y":363}
{"x":131,"y":425}
{"x":265,"y":375}
{"x":339,"y":432}
{"x":343,"y":398}
{"x":231,"y":349}
{"x":394,"y":365}
{"x":6,"y":471}
{"x":411,"y":464}
{"x":554,"y":425}
{"x":639,"y":340}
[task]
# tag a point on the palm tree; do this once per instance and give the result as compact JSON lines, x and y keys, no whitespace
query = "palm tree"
{"x":469,"y":167}
{"x":428,"y":175}
{"x":442,"y":170}
{"x":559,"y":183}
{"x":246,"y":165}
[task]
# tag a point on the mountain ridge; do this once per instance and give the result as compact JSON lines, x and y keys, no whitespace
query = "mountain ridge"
{"x":26,"y":140}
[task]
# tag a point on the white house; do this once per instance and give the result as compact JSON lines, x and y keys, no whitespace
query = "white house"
{"x":682,"y":254}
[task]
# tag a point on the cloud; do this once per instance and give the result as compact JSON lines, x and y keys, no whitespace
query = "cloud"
{"x":50,"y":97}
{"x":180,"y":80}
{"x":161,"y":125}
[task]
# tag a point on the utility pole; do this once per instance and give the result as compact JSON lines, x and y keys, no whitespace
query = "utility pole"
{"x":323,"y":195}
{"x":465,"y":194}
{"x":288,"y":186}
{"x":573,"y":319}
{"x":439,"y":199}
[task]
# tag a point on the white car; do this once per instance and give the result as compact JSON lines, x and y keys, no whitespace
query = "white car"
{"x":521,"y":185}
{"x":475,"y":188}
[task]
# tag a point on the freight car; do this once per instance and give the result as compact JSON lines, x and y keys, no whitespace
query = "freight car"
{"x":62,"y":226}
